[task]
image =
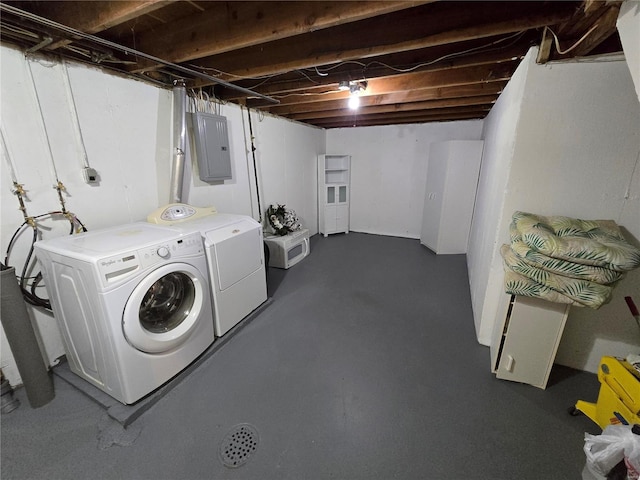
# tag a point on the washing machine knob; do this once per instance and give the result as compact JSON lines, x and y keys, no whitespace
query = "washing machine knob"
{"x":163,"y":252}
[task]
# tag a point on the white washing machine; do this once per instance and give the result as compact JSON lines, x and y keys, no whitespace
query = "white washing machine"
{"x":132,"y":303}
{"x":235,"y":256}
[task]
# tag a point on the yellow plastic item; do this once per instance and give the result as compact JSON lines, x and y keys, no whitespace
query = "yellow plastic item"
{"x":179,"y":212}
{"x":619,"y":396}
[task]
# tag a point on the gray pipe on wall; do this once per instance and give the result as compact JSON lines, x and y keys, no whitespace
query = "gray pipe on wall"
{"x":22,"y":339}
{"x":179,"y":139}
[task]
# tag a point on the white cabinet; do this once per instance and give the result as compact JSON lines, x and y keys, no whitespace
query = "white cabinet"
{"x":333,"y":193}
{"x":526,"y":338}
{"x":452,"y":180}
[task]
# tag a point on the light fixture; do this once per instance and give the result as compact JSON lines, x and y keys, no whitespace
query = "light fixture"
{"x":343,"y":85}
{"x":354,"y":101}
{"x":354,"y":98}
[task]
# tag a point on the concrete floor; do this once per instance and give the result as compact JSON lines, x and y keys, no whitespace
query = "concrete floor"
{"x":364,"y":366}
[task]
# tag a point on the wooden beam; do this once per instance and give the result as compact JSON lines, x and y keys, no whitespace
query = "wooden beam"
{"x":93,"y":17}
{"x":408,"y":30}
{"x":395,"y":108}
{"x":602,"y":29}
{"x":227,"y":26}
{"x":584,"y":18}
{"x":444,"y":78}
{"x":414,"y":81}
{"x":377,"y":68}
{"x":401,"y":115}
{"x":356,"y":121}
{"x":443,"y":118}
{"x":544,"y":52}
{"x":424,"y":94}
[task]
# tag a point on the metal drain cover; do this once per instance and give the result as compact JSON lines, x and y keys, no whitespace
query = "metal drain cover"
{"x":238,"y":445}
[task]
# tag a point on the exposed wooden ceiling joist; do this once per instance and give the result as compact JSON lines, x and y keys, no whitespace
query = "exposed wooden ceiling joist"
{"x":409,"y":82}
{"x":431,"y":59}
{"x":421,"y":27}
{"x":93,"y":17}
{"x":245,"y":24}
{"x":396,"y":107}
{"x":578,"y":36}
{"x":462,"y":93}
{"x":422,"y":61}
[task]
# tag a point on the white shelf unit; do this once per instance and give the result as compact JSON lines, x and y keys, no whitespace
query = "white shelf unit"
{"x":452,"y":180}
{"x":334,"y":175}
{"x":526,"y":339}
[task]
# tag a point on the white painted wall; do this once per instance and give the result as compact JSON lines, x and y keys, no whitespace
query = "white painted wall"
{"x":125,"y":143}
{"x":486,"y":237}
{"x":574,"y":152}
{"x":389,"y":171}
{"x":628,"y":25}
{"x":286,"y":154}
{"x":127,"y":130}
{"x":236,"y":195}
{"x":285,"y":157}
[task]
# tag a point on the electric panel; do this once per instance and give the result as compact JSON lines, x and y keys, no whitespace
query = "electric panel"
{"x":211,"y":139}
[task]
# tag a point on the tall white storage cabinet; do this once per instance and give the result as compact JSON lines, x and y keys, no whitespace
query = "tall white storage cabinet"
{"x":334,"y":173}
{"x":452,"y":180}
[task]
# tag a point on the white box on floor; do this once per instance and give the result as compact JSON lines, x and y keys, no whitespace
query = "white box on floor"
{"x":287,"y":250}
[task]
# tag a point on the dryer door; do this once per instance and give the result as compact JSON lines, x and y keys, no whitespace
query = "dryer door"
{"x":164,"y":308}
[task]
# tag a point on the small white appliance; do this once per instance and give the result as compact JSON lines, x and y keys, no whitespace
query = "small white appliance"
{"x":132,"y":303}
{"x":235,"y":256}
{"x":287,"y":250}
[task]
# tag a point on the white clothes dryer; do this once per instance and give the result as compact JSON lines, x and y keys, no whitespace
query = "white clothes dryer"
{"x":235,"y":257}
{"x":132,"y":303}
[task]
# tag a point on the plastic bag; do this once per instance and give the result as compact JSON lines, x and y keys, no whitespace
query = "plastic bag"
{"x":616,"y":443}
{"x":632,"y":455}
{"x":605,"y":451}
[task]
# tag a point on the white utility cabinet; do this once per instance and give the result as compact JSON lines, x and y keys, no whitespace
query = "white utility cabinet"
{"x":526,"y":338}
{"x":334,"y":174}
{"x":452,"y":180}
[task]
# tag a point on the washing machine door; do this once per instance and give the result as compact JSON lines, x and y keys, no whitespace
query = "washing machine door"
{"x":164,"y":308}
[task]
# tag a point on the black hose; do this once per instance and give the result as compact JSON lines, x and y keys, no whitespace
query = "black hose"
{"x":30,"y":295}
{"x":26,"y":262}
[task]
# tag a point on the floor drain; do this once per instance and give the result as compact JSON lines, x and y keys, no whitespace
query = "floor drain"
{"x":238,"y":445}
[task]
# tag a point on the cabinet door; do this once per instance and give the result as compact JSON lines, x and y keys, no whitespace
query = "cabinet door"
{"x":343,"y":197}
{"x":531,"y":340}
{"x":330,"y":215}
{"x":342,"y":218}
{"x":331,"y":195}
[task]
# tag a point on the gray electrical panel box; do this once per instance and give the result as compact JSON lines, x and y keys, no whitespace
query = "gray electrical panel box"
{"x":211,"y":139}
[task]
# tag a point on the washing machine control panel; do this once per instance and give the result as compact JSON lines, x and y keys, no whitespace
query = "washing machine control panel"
{"x":116,"y":268}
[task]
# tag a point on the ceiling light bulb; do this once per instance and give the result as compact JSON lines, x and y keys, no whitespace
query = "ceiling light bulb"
{"x":354,"y":101}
